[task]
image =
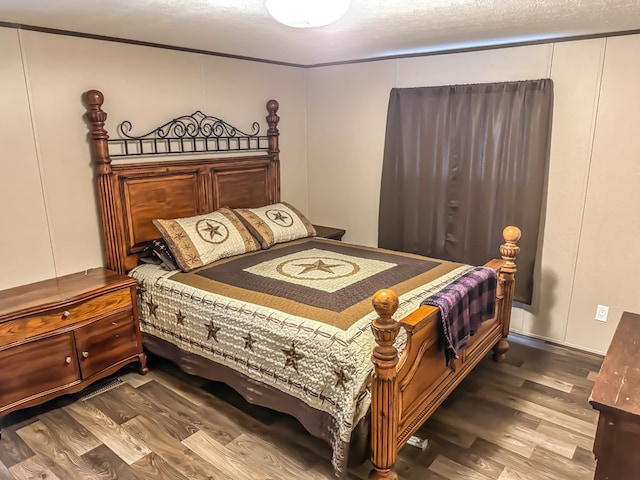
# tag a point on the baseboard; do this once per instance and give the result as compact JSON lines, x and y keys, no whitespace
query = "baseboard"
{"x":558,"y":343}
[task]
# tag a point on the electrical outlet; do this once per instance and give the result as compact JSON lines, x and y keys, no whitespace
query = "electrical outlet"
{"x":601,"y":313}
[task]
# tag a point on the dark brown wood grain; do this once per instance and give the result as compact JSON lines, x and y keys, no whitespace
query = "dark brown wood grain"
{"x":61,"y":318}
{"x":179,"y":188}
{"x":181,"y":458}
{"x":108,"y":465}
{"x":123,"y":404}
{"x":46,"y":446}
{"x":85,"y":329}
{"x":104,"y":342}
{"x":154,"y":467}
{"x":58,"y":292}
{"x":37,"y":369}
{"x":476,"y":434}
{"x":126,"y":402}
{"x":239,"y":185}
{"x":584,"y":456}
{"x":523,"y":465}
{"x":618,"y":384}
{"x":170,"y":195}
{"x":616,"y":395}
{"x":13,"y":450}
{"x":217,"y":426}
{"x":68,"y":432}
{"x":329,"y":232}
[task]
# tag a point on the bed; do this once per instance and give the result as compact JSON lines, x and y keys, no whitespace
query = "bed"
{"x":217,"y":323}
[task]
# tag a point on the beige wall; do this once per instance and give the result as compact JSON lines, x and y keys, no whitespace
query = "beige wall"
{"x":49,"y":215}
{"x":24,"y":232}
{"x":592,"y":194}
{"x":608,"y":258}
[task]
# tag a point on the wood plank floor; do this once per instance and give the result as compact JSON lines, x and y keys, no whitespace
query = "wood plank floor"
{"x":527,"y":418}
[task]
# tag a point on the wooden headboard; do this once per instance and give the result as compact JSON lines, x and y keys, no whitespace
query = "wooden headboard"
{"x":241,"y":170}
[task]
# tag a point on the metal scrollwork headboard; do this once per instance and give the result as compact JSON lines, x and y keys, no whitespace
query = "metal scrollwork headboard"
{"x":133,"y":193}
{"x":195,"y":133}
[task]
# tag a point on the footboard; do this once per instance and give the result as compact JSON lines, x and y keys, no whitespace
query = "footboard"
{"x":407,"y":390}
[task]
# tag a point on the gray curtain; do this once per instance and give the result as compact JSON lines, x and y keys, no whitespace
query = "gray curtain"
{"x":460,"y":163}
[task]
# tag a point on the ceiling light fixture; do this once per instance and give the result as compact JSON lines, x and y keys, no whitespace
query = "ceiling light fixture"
{"x":307,"y":13}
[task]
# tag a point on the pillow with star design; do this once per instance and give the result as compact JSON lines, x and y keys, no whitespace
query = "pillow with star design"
{"x":276,"y":223}
{"x":203,"y":239}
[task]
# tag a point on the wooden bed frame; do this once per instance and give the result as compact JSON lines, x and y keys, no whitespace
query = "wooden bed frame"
{"x":405,"y":390}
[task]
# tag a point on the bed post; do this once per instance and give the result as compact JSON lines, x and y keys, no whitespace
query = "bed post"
{"x":506,"y":284}
{"x":102,"y":163}
{"x":274,"y":147}
{"x":384,"y":388}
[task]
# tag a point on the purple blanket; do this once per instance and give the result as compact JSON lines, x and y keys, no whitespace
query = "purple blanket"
{"x":464,"y":305}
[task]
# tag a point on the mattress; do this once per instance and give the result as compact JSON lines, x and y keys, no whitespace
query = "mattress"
{"x":296,"y":317}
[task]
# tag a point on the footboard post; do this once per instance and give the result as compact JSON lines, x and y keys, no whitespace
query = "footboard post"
{"x":384,"y":388}
{"x":506,"y":285}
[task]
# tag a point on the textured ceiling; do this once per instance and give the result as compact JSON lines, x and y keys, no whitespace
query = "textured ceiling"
{"x":370,"y":29}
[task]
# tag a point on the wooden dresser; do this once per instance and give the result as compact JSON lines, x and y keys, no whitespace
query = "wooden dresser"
{"x":58,"y":336}
{"x":616,"y":395}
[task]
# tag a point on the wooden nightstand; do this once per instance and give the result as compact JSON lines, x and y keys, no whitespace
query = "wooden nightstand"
{"x":329,"y":232}
{"x":58,"y":336}
{"x":616,"y":395}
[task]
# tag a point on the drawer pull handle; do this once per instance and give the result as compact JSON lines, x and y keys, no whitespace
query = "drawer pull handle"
{"x":85,"y":354}
{"x":66,"y":314}
{"x":67,"y":360}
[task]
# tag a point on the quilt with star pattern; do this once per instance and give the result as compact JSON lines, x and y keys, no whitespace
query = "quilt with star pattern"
{"x":296,"y":317}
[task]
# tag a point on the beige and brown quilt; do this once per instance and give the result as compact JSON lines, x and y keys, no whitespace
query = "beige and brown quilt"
{"x":296,"y":317}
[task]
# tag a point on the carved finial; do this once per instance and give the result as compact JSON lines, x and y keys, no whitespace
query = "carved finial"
{"x":509,"y":250}
{"x":273,"y":118}
{"x":385,"y":328}
{"x":272,"y":106}
{"x":385,"y":303}
{"x":97,"y":118}
{"x":94,"y":97}
{"x":272,"y":132}
{"x":511,"y":234}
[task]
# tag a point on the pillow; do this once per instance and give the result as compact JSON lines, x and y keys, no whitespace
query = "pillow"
{"x":200,"y":240}
{"x":158,"y":253}
{"x":276,"y":223}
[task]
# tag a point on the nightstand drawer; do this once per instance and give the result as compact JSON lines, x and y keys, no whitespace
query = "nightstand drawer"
{"x":37,"y":369}
{"x":102,"y":343}
{"x":28,"y":327}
